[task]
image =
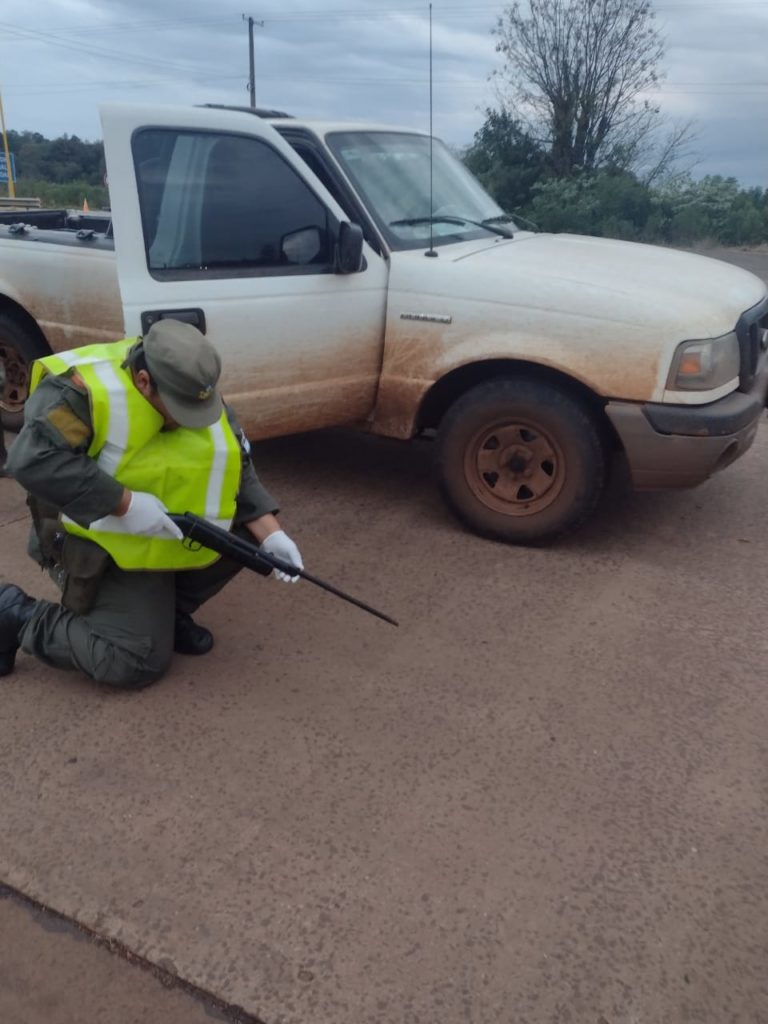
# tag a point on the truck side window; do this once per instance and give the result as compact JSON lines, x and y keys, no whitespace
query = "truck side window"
{"x":225,"y":204}
{"x":315,"y":164}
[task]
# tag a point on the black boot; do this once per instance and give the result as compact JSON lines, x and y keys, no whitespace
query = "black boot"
{"x":189,"y":638}
{"x":16,"y":609}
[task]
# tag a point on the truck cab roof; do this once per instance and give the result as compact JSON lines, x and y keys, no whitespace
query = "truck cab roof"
{"x":279,"y":118}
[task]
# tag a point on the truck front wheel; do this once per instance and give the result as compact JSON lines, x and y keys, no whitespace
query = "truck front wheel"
{"x":18,"y":349}
{"x":520,"y":460}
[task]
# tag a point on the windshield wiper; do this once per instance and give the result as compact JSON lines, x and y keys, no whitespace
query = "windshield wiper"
{"x":505,"y":218}
{"x":437,"y":219}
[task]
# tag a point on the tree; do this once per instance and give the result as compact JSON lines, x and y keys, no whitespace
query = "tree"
{"x":578,"y":71}
{"x":60,"y":160}
{"x":506,"y":160}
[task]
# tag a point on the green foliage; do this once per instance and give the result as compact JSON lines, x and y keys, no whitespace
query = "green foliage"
{"x":746,"y":226}
{"x":60,"y":161}
{"x":506,"y":160}
{"x":611,"y":202}
{"x":69,"y":195}
{"x":715,"y":208}
{"x":61,"y":172}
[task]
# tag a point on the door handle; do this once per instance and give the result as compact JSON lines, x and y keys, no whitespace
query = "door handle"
{"x":196,"y":317}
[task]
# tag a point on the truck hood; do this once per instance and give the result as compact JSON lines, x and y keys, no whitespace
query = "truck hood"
{"x":610,"y":314}
{"x":679,"y":295}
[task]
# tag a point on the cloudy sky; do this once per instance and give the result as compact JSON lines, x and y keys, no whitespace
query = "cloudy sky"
{"x":357,"y":59}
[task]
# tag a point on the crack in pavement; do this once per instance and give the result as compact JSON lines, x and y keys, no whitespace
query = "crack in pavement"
{"x":11,"y":522}
{"x":53,"y":921}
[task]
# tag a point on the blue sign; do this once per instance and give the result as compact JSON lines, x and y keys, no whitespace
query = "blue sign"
{"x":4,"y":169}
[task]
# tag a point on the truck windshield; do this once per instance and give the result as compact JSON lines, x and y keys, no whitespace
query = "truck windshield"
{"x":390,"y":171}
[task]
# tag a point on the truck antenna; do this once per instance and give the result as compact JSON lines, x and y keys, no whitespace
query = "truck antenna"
{"x":431,"y":250}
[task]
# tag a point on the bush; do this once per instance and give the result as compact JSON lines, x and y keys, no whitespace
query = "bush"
{"x":688,"y":225}
{"x":607,"y":203}
{"x":615,"y":204}
{"x":516,"y":170}
{"x":745,"y":226}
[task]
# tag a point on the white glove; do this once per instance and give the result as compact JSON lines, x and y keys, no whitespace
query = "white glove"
{"x":280,"y":545}
{"x":145,"y":517}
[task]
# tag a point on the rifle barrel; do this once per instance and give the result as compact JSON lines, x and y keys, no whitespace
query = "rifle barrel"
{"x":252,"y":557}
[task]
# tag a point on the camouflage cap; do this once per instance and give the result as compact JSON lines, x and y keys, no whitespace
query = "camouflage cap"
{"x":185,"y":368}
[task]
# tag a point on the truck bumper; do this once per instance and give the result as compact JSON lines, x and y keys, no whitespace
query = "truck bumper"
{"x":683,"y":445}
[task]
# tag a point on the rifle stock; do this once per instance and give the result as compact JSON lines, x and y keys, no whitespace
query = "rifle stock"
{"x":199,"y":531}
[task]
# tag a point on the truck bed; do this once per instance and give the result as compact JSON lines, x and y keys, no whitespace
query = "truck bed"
{"x":58,"y":227}
{"x":71,"y":301}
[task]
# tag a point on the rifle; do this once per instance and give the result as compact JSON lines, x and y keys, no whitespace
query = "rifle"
{"x":199,"y":531}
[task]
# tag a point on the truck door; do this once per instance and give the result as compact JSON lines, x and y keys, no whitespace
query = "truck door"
{"x":218,"y":222}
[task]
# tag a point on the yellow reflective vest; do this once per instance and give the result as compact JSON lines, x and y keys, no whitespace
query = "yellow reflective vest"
{"x":188,"y":470}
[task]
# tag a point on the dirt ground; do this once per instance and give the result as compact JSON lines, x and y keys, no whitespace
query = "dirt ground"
{"x":542,"y":800}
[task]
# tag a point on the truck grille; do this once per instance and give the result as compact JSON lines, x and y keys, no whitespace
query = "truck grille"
{"x":752,"y":332}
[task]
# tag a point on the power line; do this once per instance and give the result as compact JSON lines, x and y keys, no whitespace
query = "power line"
{"x":113,"y":55}
{"x":310,"y":14}
{"x":692,"y":88}
{"x":139,"y":26}
{"x":70,"y":86}
{"x":141,"y":60}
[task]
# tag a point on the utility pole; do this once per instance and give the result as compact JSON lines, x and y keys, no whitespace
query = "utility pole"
{"x":8,"y":168}
{"x":252,"y":78}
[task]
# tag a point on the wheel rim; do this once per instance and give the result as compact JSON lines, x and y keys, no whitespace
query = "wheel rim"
{"x":515,"y":467}
{"x":16,"y":389}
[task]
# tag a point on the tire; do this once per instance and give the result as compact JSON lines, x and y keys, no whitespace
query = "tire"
{"x":520,"y":460}
{"x":19,"y":347}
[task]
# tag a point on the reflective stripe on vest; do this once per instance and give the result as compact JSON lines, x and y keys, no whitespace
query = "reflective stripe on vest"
{"x":188,"y":470}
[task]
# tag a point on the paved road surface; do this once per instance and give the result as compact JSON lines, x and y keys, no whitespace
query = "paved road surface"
{"x":52,"y":973}
{"x":541,"y":801}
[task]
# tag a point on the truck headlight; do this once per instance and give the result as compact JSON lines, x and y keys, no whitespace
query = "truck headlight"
{"x":705,"y":365}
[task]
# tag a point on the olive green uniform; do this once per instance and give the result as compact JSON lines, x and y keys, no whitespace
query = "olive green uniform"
{"x":122,"y":631}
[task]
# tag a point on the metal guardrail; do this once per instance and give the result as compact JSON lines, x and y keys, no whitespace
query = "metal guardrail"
{"x":20,"y":203}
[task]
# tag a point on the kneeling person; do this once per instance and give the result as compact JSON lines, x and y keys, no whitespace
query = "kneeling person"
{"x":114,"y":436}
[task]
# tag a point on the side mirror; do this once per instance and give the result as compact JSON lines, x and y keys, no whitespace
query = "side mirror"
{"x":349,"y":248}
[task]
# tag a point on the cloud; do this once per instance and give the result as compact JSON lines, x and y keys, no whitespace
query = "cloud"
{"x":355,"y":59}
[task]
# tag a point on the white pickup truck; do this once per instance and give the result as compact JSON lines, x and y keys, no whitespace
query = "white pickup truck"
{"x":342,"y":290}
